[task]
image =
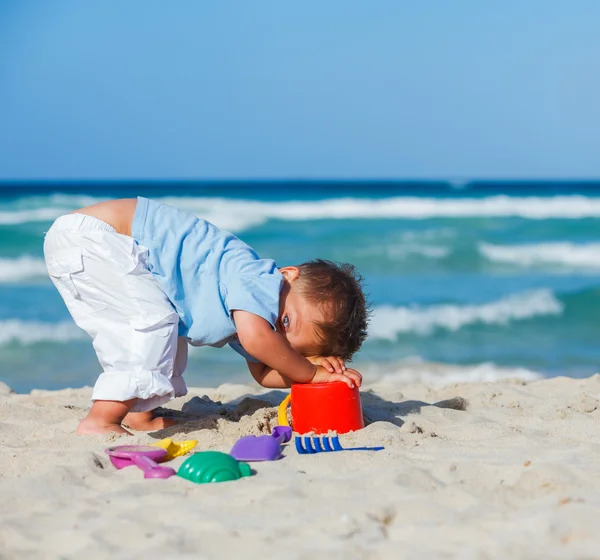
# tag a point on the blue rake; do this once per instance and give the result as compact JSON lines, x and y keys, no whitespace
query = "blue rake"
{"x":324,"y":444}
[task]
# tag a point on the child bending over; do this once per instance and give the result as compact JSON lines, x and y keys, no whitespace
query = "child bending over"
{"x":144,"y":280}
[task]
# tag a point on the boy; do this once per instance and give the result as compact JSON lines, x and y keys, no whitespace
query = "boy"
{"x":145,"y":279}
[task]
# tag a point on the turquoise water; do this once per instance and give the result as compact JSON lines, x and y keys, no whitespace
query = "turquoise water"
{"x":480,"y":278}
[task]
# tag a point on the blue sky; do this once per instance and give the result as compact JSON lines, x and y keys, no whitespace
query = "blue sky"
{"x":314,"y":89}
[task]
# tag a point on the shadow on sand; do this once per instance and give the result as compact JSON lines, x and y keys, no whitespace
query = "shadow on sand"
{"x":201,"y":413}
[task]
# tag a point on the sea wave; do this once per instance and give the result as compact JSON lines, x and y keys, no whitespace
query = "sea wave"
{"x":43,"y":208}
{"x":33,"y":332}
{"x":389,"y":321}
{"x":430,"y":373}
{"x":21,"y":268}
{"x":15,"y":217}
{"x":585,"y":256}
{"x":74,"y":201}
{"x":241,"y":214}
{"x":423,"y":243}
{"x":402,"y":251}
{"x":238,"y":215}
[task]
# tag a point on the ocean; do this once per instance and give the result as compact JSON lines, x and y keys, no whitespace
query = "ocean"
{"x":467,"y":281}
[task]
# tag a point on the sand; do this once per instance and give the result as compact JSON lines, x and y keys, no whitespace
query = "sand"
{"x":511,"y":469}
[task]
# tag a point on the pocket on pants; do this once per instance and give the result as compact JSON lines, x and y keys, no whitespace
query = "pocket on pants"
{"x":151,"y":310}
{"x":158,"y":325}
{"x":67,"y":270}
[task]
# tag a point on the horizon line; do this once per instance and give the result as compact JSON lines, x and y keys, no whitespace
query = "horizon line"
{"x":453,"y":182}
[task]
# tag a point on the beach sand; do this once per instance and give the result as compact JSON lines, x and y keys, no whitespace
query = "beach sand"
{"x":506,"y":469}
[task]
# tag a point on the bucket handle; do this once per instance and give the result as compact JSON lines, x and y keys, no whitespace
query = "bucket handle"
{"x":282,"y":411}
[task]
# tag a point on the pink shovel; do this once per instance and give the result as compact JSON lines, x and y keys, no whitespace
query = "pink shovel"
{"x":142,"y":456}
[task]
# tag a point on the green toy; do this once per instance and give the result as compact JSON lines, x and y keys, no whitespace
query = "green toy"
{"x":213,"y":466}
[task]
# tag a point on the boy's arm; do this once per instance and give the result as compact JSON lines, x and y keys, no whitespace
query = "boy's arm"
{"x":268,"y":377}
{"x":272,"y":349}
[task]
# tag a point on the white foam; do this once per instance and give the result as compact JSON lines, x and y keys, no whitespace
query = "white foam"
{"x":401,"y":251}
{"x":442,"y":374}
{"x":389,"y":321}
{"x":74,"y":201}
{"x":21,"y":268}
{"x":567,"y":254}
{"x":31,"y":332}
{"x":238,"y":214}
{"x":35,"y":215}
{"x":43,"y":208}
{"x":420,"y":243}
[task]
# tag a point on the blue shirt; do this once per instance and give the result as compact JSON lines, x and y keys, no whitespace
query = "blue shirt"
{"x":206,"y":273}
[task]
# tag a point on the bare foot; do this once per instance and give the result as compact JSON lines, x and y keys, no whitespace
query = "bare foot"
{"x":89,"y":426}
{"x":105,"y":417}
{"x":146,"y":422}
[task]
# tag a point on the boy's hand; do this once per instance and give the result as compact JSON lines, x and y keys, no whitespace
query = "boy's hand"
{"x":350,"y":377}
{"x":330,"y":363}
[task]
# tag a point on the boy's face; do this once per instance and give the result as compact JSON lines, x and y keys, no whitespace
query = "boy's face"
{"x":297,"y":316}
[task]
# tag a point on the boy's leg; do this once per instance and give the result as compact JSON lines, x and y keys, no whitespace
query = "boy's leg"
{"x":146,"y":421}
{"x":138,"y":357}
{"x":105,"y":417}
{"x":111,"y":294}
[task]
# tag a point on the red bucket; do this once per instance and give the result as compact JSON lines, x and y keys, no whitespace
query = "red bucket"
{"x":321,"y":407}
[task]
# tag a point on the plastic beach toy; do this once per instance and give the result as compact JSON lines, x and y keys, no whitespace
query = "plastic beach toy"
{"x":142,"y":456}
{"x":320,"y":445}
{"x":261,"y":448}
{"x":282,"y":419}
{"x":212,"y":466}
{"x":175,"y":448}
{"x":323,"y":407}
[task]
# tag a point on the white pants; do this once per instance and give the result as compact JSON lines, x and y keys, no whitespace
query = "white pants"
{"x":104,"y":279}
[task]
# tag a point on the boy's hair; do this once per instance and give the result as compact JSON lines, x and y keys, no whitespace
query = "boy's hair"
{"x":339,"y":285}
